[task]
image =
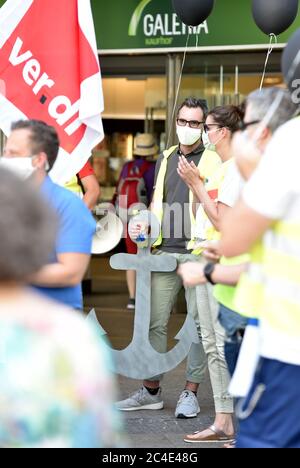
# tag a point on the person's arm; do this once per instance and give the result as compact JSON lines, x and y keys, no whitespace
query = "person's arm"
{"x":191,"y":176}
{"x":67,"y":272}
{"x":192,"y":274}
{"x":91,"y":191}
{"x":73,"y":246}
{"x":214,"y":211}
{"x":241,"y":227}
{"x":267,"y":196}
{"x":90,"y":186}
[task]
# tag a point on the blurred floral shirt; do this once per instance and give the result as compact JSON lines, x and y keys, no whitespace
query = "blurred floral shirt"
{"x":56,"y":389}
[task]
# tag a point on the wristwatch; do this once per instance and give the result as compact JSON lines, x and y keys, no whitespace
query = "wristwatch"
{"x":208,"y":271}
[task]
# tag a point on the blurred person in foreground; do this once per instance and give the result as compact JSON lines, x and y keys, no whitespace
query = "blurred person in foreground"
{"x":31,"y":151}
{"x":237,"y":305}
{"x":241,"y":305}
{"x":269,"y":212}
{"x":52,"y":392}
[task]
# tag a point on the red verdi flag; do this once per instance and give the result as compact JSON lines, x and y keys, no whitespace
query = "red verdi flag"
{"x":49,"y":70}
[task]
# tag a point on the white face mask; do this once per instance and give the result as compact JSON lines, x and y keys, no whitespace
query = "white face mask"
{"x":207,"y":143}
{"x":22,"y":167}
{"x":188,"y":136}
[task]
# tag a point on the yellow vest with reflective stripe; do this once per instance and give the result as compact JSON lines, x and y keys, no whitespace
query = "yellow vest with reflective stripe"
{"x":281,"y":291}
{"x":250,"y":288}
{"x":224,"y":294}
{"x":207,"y":166}
{"x":74,"y":187}
{"x":212,"y":184}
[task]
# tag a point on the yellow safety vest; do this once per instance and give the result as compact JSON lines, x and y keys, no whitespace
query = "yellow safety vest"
{"x":281,"y":291}
{"x":74,"y":187}
{"x":250,"y":288}
{"x":213,"y":186}
{"x":226,"y":295}
{"x":207,"y":165}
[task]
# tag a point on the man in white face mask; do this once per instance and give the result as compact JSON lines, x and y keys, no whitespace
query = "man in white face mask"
{"x":17,"y":157}
{"x":23,"y":167}
{"x":171,"y":205}
{"x":31,"y":151}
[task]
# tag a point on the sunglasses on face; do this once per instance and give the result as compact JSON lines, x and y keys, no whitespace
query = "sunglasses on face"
{"x":244,"y":125}
{"x":190,"y":123}
{"x":210,"y":127}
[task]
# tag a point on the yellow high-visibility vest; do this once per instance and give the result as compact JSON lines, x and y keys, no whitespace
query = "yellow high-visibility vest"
{"x":207,"y":165}
{"x":226,"y":295}
{"x":204,"y":228}
{"x":74,"y":186}
{"x":248,"y":298}
{"x":281,"y":290}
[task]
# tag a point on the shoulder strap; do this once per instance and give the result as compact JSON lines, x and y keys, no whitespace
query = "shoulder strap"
{"x":167,"y":153}
{"x":144,"y":168}
{"x":129,"y":169}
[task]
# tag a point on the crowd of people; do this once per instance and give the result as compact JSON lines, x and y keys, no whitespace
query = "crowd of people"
{"x":228,"y":202}
{"x":233,"y":228}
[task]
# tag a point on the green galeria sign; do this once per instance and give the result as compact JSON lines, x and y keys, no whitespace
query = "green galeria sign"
{"x":124,"y":25}
{"x":152,"y":24}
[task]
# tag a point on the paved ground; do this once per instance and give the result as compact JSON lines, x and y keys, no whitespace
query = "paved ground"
{"x":146,"y":429}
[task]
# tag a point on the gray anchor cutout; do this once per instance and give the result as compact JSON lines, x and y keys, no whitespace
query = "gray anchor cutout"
{"x":140,"y":360}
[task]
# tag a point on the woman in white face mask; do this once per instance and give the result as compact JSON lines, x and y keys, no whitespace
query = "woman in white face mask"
{"x":213,"y":197}
{"x":220,"y":124}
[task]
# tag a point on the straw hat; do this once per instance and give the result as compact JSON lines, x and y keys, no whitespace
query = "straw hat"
{"x":144,"y":145}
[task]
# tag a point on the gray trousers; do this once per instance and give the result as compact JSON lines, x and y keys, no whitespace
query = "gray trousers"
{"x":202,"y":306}
{"x":165,"y":290}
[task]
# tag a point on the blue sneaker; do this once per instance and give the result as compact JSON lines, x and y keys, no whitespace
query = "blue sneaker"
{"x":187,"y":406}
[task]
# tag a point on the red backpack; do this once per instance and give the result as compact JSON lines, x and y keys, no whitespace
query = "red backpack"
{"x":132,"y":188}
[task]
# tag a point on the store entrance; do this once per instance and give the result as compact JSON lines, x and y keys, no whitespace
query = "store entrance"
{"x":140,"y":93}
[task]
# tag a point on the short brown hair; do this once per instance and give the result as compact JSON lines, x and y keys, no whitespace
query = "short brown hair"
{"x":43,"y":138}
{"x":228,"y":116}
{"x":194,"y":103}
{"x":27,"y":228}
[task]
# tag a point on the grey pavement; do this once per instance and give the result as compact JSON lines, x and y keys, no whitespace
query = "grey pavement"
{"x":146,"y":429}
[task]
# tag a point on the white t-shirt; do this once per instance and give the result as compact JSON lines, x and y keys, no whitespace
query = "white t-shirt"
{"x":274,"y":192}
{"x":225,"y":186}
{"x":274,"y":189}
{"x":231,"y":187}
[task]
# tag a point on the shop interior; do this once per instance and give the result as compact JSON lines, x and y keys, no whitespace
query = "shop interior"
{"x":136,"y":90}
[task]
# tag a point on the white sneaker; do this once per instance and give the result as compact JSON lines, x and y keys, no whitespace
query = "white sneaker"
{"x":141,"y":400}
{"x":187,"y":406}
{"x":131,"y":304}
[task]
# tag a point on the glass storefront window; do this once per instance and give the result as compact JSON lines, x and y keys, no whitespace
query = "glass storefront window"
{"x":208,"y":87}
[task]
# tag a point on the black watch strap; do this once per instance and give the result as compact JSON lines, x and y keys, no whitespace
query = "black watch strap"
{"x":208,"y":271}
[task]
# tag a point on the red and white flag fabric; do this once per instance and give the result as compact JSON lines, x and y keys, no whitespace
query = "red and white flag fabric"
{"x":49,"y":70}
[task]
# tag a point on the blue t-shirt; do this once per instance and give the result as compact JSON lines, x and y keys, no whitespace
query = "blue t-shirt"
{"x":76,"y":229}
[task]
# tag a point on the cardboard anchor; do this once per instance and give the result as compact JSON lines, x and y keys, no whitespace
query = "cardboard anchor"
{"x":140,"y":360}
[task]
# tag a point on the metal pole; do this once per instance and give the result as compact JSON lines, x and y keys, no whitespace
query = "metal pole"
{"x":236,"y":86}
{"x":221,"y":85}
{"x":173,"y":77}
{"x":2,"y":142}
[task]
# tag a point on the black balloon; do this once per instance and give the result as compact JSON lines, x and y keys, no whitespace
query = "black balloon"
{"x":274,"y":16}
{"x":290,"y":61}
{"x":193,"y":12}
